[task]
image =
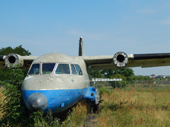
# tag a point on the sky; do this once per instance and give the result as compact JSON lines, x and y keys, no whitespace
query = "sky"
{"x":107,"y":26}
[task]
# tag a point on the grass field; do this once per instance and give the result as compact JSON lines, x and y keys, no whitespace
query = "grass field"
{"x":135,"y":108}
{"x":129,"y":107}
{"x":1,"y":101}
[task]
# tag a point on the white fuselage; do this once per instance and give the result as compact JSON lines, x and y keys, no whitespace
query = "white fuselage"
{"x":55,"y":91}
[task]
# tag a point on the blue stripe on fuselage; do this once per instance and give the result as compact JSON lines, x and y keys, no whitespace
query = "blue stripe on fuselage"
{"x":56,"y":98}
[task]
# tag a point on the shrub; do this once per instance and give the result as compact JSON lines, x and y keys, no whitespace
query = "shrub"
{"x":15,"y":112}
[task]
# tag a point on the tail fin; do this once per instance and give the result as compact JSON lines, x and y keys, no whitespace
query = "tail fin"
{"x":81,"y":53}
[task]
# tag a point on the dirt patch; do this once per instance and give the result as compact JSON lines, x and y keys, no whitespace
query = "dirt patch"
{"x":91,"y":120}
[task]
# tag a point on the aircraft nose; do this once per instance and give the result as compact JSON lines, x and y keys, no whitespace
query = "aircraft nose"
{"x":36,"y":101}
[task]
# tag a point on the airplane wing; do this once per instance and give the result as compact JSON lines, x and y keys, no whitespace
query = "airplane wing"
{"x":121,"y":59}
{"x":15,"y":60}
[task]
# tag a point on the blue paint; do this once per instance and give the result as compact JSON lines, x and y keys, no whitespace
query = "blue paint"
{"x":62,"y":105}
{"x":58,"y":100}
{"x":90,"y":95}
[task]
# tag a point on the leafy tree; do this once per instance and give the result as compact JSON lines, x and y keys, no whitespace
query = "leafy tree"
{"x":18,"y":50}
{"x":95,"y":73}
{"x":119,"y":84}
{"x":140,"y":77}
{"x":5,"y":73}
{"x":126,"y":72}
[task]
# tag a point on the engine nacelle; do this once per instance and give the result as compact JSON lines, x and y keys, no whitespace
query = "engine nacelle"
{"x":12,"y":60}
{"x":120,"y":59}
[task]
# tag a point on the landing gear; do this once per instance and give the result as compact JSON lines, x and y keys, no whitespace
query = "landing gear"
{"x":93,"y":108}
{"x":92,"y":97}
{"x":96,"y":107}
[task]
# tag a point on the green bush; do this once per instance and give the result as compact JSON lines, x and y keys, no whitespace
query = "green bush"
{"x":102,"y":90}
{"x":15,"y":112}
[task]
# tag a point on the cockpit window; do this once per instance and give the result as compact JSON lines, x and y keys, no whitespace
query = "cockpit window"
{"x":78,"y":69}
{"x":63,"y":69}
{"x":35,"y":69}
{"x":74,"y":72}
{"x":47,"y":68}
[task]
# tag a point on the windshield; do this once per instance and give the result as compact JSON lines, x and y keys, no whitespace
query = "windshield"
{"x":63,"y":69}
{"x":74,"y":72}
{"x":47,"y":68}
{"x":35,"y":69}
{"x":78,"y":69}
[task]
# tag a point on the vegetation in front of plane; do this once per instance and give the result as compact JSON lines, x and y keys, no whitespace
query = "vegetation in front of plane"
{"x":133,"y":107}
{"x":14,"y":111}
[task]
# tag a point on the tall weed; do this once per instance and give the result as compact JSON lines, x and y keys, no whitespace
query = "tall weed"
{"x":135,"y":108}
{"x":76,"y":116}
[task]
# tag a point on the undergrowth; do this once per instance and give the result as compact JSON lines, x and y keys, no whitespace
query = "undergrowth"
{"x":14,"y":111}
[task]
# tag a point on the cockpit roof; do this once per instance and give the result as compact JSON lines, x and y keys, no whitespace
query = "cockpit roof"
{"x":54,"y":58}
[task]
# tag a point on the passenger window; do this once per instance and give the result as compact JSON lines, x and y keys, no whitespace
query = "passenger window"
{"x":73,"y":70}
{"x":47,"y":68}
{"x":78,"y":69}
{"x":35,"y":69}
{"x":63,"y":69}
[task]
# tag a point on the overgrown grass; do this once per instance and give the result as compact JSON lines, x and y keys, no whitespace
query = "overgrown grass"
{"x":135,"y":108}
{"x":1,"y":101}
{"x":76,"y":116}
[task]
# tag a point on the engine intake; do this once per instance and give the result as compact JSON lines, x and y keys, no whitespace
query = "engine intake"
{"x":12,"y":60}
{"x":120,"y":59}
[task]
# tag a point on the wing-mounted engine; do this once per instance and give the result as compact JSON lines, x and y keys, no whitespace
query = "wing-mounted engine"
{"x":120,"y":59}
{"x":12,"y":60}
